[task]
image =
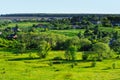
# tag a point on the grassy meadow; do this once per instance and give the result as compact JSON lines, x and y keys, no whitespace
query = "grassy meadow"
{"x":23,"y":24}
{"x":30,"y":67}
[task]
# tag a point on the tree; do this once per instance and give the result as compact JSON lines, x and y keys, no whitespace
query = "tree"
{"x":85,"y":44}
{"x":80,"y":34}
{"x":88,"y":33}
{"x":101,"y":49}
{"x":75,"y":41}
{"x":70,"y":53}
{"x":105,"y":40}
{"x":72,"y":45}
{"x":21,"y":47}
{"x":115,"y":45}
{"x":106,"y":22}
{"x":43,"y":49}
{"x":116,"y":35}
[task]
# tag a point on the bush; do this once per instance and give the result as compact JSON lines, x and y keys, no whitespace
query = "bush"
{"x":72,"y":65}
{"x":100,"y":59}
{"x":21,"y":47}
{"x":32,"y":55}
{"x":93,"y":64}
{"x":50,"y":64}
{"x":114,"y":66}
{"x":84,"y":56}
{"x":57,"y":58}
{"x":118,"y":57}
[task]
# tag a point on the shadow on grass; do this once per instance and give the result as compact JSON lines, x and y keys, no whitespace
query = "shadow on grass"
{"x":39,"y":66}
{"x":15,"y":51}
{"x":64,"y":61}
{"x":108,"y":68}
{"x":87,"y":67}
{"x":21,"y":59}
{"x":116,"y":79}
{"x":8,"y":50}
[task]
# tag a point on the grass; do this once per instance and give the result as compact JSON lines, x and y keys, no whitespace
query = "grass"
{"x":74,"y":32}
{"x":23,"y":24}
{"x":109,"y":29}
{"x":21,"y":67}
{"x":70,"y":33}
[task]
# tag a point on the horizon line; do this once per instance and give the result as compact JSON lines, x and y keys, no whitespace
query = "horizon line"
{"x":55,"y":13}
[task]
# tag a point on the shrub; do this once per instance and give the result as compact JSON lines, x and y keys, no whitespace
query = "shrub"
{"x":50,"y":64}
{"x":84,"y":56}
{"x":32,"y":55}
{"x":21,"y":47}
{"x":93,"y":64}
{"x":72,"y":65}
{"x":114,"y":66}
{"x":100,"y":59}
{"x":57,"y":58}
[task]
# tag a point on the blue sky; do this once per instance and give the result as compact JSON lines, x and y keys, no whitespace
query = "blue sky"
{"x":59,"y":6}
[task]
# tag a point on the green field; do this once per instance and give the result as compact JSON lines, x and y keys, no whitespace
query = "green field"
{"x":109,"y":29}
{"x":23,"y":24}
{"x":70,"y":33}
{"x":22,"y":67}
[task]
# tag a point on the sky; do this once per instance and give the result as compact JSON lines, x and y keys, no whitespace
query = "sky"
{"x":59,"y":6}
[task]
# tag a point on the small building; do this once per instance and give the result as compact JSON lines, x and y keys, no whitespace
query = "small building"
{"x":16,"y":29}
{"x":40,"y":26}
{"x":0,"y":33}
{"x":76,"y":27}
{"x":12,"y":36}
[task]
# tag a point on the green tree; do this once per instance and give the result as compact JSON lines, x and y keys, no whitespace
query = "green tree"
{"x":101,"y":49}
{"x":116,"y":35}
{"x":105,"y":40}
{"x":73,"y":41}
{"x":80,"y":34}
{"x":106,"y":22}
{"x":72,"y":45}
{"x":85,"y":44}
{"x":115,"y":45}
{"x":70,"y":53}
{"x":43,"y":49}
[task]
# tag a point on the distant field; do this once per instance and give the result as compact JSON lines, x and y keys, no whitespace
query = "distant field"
{"x":28,"y":24}
{"x":21,"y":67}
{"x":23,"y":24}
{"x":109,"y":29}
{"x":70,"y":33}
